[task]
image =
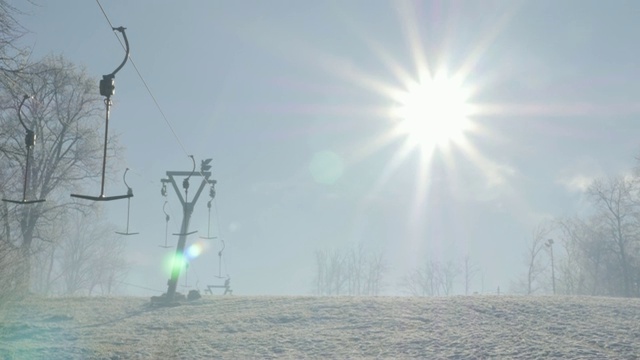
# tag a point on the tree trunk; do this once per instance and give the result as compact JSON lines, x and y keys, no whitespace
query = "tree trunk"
{"x":23,"y":280}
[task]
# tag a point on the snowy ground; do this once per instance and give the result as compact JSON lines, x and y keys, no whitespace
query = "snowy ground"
{"x":237,"y":327}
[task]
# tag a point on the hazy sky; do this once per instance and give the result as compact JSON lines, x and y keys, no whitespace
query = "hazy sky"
{"x":292,"y":100}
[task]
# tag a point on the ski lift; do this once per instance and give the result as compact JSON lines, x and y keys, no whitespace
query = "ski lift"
{"x":130,"y":195}
{"x":166,"y":226}
{"x":30,"y":141}
{"x":107,"y":89}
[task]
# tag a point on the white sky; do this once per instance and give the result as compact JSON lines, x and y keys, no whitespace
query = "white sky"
{"x":283,"y":95}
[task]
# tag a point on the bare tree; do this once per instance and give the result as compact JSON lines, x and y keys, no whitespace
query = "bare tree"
{"x":432,"y":279}
{"x":65,"y":115}
{"x":321,"y":272}
{"x":616,"y":201}
{"x":450,"y":271}
{"x":470,"y":270}
{"x":91,"y":256}
{"x":12,"y":56}
{"x":377,"y":268}
{"x":354,"y":271}
{"x":423,"y":281}
{"x":530,"y":283}
{"x":581,"y":269}
{"x":88,"y":259}
{"x":331,"y":275}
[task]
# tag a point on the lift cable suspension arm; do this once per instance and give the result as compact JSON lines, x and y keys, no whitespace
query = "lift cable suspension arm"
{"x":126,"y":56}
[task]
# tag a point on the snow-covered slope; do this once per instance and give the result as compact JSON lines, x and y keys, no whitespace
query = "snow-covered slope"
{"x":237,"y":327}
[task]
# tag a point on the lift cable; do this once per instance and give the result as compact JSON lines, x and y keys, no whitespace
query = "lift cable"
{"x":168,"y":123}
{"x":155,"y":101}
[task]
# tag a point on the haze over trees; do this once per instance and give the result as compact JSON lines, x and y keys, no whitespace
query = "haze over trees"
{"x":597,"y":254}
{"x":88,"y":260}
{"x":64,"y":110}
{"x":12,"y":57}
{"x":352,"y":271}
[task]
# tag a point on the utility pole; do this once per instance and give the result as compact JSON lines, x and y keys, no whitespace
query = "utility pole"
{"x":187,"y":210}
{"x":549,"y":244}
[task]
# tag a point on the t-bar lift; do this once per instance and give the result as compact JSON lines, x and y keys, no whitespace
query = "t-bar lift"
{"x":107,"y":89}
{"x":30,"y":141}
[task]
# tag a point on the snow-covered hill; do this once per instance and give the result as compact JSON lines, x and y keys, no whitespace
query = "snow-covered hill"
{"x":237,"y":327}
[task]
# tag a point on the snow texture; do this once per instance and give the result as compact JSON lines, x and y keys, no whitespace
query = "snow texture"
{"x":236,"y":327}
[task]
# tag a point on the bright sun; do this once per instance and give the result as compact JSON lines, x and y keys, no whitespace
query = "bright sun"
{"x":433,"y":112}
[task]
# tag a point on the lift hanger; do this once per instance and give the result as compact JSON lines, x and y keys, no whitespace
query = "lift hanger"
{"x":209,"y":237}
{"x":107,"y":89}
{"x":212,"y":194}
{"x":220,"y":261}
{"x":227,"y":281}
{"x":30,"y":141}
{"x":166,"y":226}
{"x":130,"y":195}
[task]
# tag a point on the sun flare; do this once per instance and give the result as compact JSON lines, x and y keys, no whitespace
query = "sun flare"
{"x":433,"y":113}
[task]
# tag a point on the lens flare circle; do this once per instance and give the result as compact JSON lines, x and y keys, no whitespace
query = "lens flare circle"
{"x":170,"y":260}
{"x":192,"y":252}
{"x":326,"y":167}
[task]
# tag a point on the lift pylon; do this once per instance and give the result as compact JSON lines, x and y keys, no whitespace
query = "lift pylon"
{"x":187,"y":210}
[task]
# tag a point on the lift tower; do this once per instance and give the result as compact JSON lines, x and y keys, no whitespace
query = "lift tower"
{"x":187,"y":210}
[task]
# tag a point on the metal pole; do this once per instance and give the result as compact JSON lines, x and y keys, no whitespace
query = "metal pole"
{"x":187,"y":210}
{"x":553,"y":272}
{"x":26,"y":175}
{"x":107,"y":102}
{"x":179,"y":257}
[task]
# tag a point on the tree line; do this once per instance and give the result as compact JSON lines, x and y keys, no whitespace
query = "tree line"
{"x":596,"y":254}
{"x":356,"y":270}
